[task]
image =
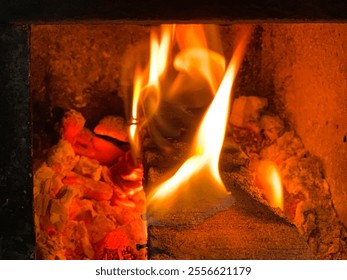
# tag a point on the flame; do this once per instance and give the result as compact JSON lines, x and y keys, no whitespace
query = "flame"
{"x":196,"y":62}
{"x":198,"y":179}
{"x":270,"y":183}
{"x":200,"y":68}
{"x":133,"y":135}
{"x":150,"y":93}
{"x":160,"y":49}
{"x":196,"y":58}
{"x":191,"y":36}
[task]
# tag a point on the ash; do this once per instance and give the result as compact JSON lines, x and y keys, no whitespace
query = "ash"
{"x":307,"y":199}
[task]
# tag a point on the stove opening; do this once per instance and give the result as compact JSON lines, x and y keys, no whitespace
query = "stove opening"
{"x":189,"y":141}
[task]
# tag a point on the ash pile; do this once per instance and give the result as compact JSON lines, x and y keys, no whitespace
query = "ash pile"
{"x":264,"y":136}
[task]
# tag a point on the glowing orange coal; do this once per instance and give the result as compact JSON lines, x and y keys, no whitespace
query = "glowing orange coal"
{"x":197,"y":182}
{"x":269,"y":181}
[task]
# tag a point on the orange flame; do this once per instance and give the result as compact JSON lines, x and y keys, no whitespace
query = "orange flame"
{"x":160,"y":49}
{"x":196,"y":58}
{"x":196,"y":62}
{"x":200,"y":68}
{"x":149,"y":93}
{"x":198,"y":179}
{"x":270,"y":183}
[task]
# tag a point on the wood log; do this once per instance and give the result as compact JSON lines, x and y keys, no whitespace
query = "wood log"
{"x":247,"y":229}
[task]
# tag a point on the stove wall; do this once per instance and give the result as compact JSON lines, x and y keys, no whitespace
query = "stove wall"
{"x":308,"y":64}
{"x":80,"y":67}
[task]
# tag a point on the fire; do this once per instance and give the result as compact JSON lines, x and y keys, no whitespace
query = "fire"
{"x":183,"y":51}
{"x":197,"y":62}
{"x":160,"y":53}
{"x":150,"y":93}
{"x":270,"y":183}
{"x":198,"y":180}
{"x":133,"y":135}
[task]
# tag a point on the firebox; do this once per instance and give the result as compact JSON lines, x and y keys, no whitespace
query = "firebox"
{"x":217,"y":133}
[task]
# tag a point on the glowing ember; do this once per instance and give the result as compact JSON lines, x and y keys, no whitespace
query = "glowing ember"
{"x":88,"y":195}
{"x":198,"y":182}
{"x":269,"y":181}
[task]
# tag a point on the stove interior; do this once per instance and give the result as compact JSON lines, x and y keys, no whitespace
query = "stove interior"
{"x":286,"y":121}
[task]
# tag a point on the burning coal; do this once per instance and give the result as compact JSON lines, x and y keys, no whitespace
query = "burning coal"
{"x":88,"y":195}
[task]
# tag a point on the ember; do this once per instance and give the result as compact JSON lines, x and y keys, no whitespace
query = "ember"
{"x":88,"y":195}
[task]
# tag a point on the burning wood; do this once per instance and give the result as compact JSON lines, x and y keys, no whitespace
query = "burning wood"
{"x":88,"y":196}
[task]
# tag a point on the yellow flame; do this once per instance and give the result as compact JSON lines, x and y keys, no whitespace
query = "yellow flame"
{"x":154,"y":61}
{"x":136,"y":93}
{"x":167,"y":31}
{"x":270,"y":182}
{"x":149,"y":92}
{"x":200,"y":172}
{"x":133,"y":135}
{"x":160,"y":49}
{"x":200,"y":68}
